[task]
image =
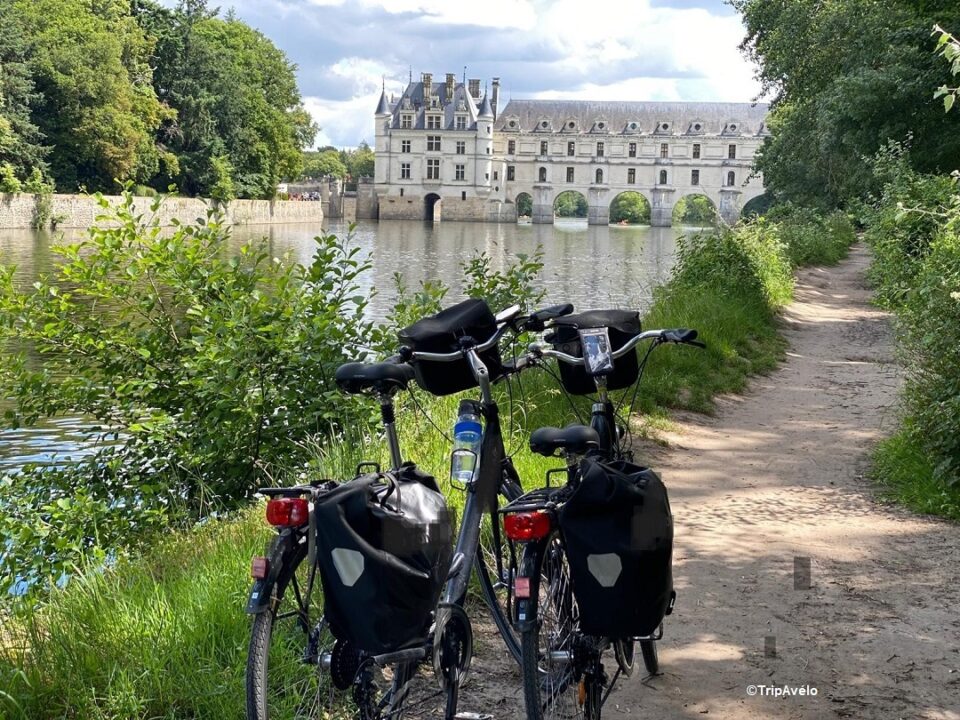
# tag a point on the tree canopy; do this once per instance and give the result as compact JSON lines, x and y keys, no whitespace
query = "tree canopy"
{"x":847,"y":77}
{"x":136,"y":91}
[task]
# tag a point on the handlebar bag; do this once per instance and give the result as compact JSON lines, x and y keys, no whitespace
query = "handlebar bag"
{"x":622,"y":326}
{"x":383,"y":550}
{"x":441,"y":333}
{"x":617,"y":529}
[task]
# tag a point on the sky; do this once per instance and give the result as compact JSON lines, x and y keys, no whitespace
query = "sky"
{"x":557,"y":49}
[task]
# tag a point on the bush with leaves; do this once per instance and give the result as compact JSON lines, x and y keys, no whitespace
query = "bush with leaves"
{"x":213,"y":367}
{"x":810,"y":237}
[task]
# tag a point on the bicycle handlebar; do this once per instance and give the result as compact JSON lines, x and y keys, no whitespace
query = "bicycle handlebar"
{"x":677,"y":335}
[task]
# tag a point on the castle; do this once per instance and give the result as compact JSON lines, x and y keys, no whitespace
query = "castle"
{"x":444,"y":151}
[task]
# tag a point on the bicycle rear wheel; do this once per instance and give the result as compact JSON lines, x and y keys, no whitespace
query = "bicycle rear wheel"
{"x":561,"y":668}
{"x":286,"y":678}
{"x":493,"y":572}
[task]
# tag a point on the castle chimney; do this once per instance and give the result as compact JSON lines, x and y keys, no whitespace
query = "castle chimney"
{"x":475,"y":88}
{"x":451,"y":79}
{"x":427,"y":79}
{"x":496,"y":96}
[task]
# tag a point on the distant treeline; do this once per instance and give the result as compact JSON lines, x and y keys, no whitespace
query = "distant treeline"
{"x":93,"y":92}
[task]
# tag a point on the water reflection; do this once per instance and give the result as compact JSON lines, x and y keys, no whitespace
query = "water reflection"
{"x":590,"y":266}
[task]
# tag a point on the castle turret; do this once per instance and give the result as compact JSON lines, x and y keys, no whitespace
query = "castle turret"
{"x":381,"y":144}
{"x":485,"y":146}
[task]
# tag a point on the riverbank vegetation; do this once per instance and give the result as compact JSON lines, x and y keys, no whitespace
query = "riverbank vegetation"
{"x":864,"y":120}
{"x":151,"y":622}
{"x":142,"y":92}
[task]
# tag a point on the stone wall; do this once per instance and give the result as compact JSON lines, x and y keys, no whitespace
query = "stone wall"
{"x":451,"y":208}
{"x":81,"y":211}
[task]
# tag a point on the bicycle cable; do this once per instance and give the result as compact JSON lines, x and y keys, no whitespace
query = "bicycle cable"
{"x":420,"y":407}
{"x":636,"y":389}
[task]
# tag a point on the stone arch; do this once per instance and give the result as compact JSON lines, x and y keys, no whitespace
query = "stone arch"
{"x":524,"y":205}
{"x":432,"y":208}
{"x":630,"y":208}
{"x":695,"y":209}
{"x":757,"y":205}
{"x":570,"y":204}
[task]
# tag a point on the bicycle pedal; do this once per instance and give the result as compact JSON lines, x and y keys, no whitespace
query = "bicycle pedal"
{"x":472,"y":716}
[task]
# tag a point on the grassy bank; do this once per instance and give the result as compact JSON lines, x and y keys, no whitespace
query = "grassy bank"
{"x":164,"y":635}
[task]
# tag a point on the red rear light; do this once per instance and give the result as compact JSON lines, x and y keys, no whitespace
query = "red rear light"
{"x":525,"y":526}
{"x":287,"y":512}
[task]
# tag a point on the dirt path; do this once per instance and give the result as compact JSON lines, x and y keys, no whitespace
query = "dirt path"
{"x":775,"y":481}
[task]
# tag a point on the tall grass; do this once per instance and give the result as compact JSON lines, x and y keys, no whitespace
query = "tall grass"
{"x":164,"y":635}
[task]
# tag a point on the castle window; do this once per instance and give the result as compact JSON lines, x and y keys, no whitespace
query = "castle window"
{"x":694,"y":177}
{"x":663,"y":177}
{"x":731,"y":178}
{"x":571,"y":148}
{"x":463,"y":194}
{"x":696,"y":151}
{"x":496,"y":174}
{"x":433,"y":122}
{"x":406,"y":121}
{"x":511,"y":172}
{"x":732,"y":152}
{"x":543,"y":147}
{"x":543,"y":174}
{"x":404,"y":171}
{"x":461,"y":122}
{"x":599,"y":149}
{"x":433,"y":169}
{"x":631,"y":176}
{"x":599,"y":176}
{"x":511,"y":147}
{"x":433,"y":143}
{"x":404,"y":146}
{"x":664,"y":150}
{"x":460,"y":172}
{"x":569,"y":174}
{"x":401,"y":192}
{"x":461,"y":147}
{"x":632,"y":150}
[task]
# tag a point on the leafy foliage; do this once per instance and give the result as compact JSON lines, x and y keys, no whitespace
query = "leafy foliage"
{"x":630,"y":207}
{"x":695,"y":210}
{"x":323,"y":164}
{"x":848,"y":76}
{"x":212,"y":369}
{"x":570,"y":203}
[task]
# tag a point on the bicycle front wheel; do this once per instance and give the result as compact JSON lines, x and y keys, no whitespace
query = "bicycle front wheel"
{"x":559,"y":665}
{"x":494,"y":574}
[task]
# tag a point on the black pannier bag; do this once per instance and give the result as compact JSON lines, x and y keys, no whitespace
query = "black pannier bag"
{"x":622,"y":326}
{"x":383,"y":548}
{"x":618,"y":532}
{"x":441,"y":333}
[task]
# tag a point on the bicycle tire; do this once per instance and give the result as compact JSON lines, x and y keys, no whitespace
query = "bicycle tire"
{"x":555,"y":687}
{"x":496,"y":595}
{"x":279,"y":682}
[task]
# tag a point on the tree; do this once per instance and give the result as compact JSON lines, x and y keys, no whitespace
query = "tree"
{"x":323,"y":164}
{"x":20,"y":138}
{"x":524,"y":205}
{"x":847,"y":77}
{"x":570,"y":204}
{"x":630,"y":207}
{"x":96,"y":104}
{"x":236,"y":98}
{"x":360,"y":162}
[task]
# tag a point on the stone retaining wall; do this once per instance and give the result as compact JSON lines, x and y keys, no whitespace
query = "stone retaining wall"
{"x":81,"y":211}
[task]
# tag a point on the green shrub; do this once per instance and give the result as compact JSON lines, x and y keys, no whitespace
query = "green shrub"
{"x":213,"y":369}
{"x":8,"y":179}
{"x":902,"y":465}
{"x":810,"y":237}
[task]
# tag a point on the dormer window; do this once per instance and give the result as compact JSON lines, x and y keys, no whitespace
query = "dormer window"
{"x":570,"y":126}
{"x":633,"y":126}
{"x":663,"y":127}
{"x":696,"y":127}
{"x":433,"y":122}
{"x":406,"y":121}
{"x":461,"y":122}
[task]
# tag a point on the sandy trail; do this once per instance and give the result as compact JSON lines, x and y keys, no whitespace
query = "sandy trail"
{"x":775,"y":478}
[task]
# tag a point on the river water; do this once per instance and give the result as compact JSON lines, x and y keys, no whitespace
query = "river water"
{"x":590,"y":266}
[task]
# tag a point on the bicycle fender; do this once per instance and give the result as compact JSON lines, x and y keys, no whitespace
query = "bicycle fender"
{"x":525,"y":608}
{"x":282,"y":551}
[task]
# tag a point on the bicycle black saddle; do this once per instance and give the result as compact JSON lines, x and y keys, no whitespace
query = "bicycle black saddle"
{"x":576,"y":439}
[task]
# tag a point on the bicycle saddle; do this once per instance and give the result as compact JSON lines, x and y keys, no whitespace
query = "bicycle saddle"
{"x":355,"y":377}
{"x":576,"y":439}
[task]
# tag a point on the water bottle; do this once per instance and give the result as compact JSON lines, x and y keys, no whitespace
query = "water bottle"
{"x":466,"y":443}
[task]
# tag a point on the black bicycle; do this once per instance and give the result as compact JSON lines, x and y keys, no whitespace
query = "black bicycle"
{"x":563,"y":646}
{"x":296,"y":660}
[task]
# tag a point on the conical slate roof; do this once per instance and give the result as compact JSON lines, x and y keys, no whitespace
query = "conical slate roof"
{"x":486,"y":109}
{"x":383,"y":107}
